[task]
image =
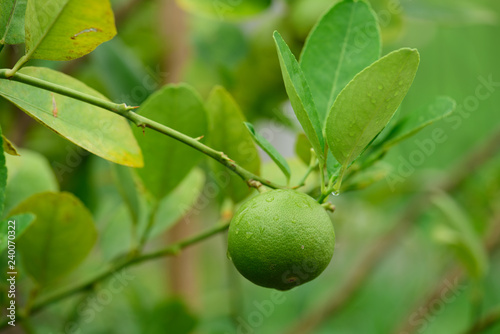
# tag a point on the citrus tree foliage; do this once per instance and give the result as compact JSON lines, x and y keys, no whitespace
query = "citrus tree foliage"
{"x":343,"y":92}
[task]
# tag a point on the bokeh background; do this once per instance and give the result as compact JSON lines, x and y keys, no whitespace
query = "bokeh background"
{"x":408,"y":275}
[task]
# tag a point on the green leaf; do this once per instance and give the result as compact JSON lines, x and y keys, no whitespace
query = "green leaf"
{"x":303,"y":148}
{"x":365,"y":106}
{"x":29,"y":174}
{"x":225,"y":9}
{"x":179,"y":202}
{"x":59,"y":239}
{"x":462,"y":236}
{"x":12,"y":21}
{"x":332,"y":165}
{"x":3,"y":177}
{"x":300,"y":96}
{"x":270,"y":150}
{"x":168,"y":161}
{"x":8,"y":147}
{"x":21,"y":223}
{"x":230,"y":136}
{"x":438,"y":109}
{"x":67,"y":29}
{"x":115,"y":227}
{"x":343,"y":42}
{"x":127,"y":187}
{"x":99,"y":131}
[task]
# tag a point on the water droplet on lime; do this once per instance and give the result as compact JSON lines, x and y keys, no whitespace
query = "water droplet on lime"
{"x":380,"y":87}
{"x":269,"y":199}
{"x":249,"y":235}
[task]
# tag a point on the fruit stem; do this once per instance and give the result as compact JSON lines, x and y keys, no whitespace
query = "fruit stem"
{"x":328,"y":206}
{"x":141,"y":121}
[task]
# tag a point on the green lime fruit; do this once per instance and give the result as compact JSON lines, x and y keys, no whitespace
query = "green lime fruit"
{"x":281,"y":239}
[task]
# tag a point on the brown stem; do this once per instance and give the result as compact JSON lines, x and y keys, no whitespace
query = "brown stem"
{"x":451,"y":280}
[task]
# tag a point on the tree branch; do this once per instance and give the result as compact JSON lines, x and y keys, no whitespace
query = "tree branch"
{"x":456,"y":274}
{"x":488,"y":321}
{"x":120,"y":265}
{"x":377,"y":250}
{"x":141,"y":121}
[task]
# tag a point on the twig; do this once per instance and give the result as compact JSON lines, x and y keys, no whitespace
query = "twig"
{"x":486,"y":322}
{"x":377,"y":251}
{"x":168,"y":251}
{"x":141,"y":121}
{"x":456,"y":274}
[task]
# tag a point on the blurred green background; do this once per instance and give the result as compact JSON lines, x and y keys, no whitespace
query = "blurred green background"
{"x":230,"y":43}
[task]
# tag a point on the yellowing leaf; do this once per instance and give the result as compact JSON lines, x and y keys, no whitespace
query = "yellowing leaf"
{"x":67,"y":29}
{"x":95,"y":129}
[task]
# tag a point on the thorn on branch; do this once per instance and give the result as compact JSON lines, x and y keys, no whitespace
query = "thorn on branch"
{"x":199,"y":138}
{"x":225,"y":157}
{"x":255,"y":184}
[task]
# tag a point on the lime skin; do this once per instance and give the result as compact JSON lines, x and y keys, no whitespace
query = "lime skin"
{"x":281,"y":239}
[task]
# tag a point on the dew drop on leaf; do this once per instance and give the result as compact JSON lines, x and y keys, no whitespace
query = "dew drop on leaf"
{"x":335,"y":193}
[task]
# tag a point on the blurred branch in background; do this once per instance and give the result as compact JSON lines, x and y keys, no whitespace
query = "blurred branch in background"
{"x":487,"y":322}
{"x":380,"y":248}
{"x":181,"y":269}
{"x":456,"y":274}
{"x":172,"y":250}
